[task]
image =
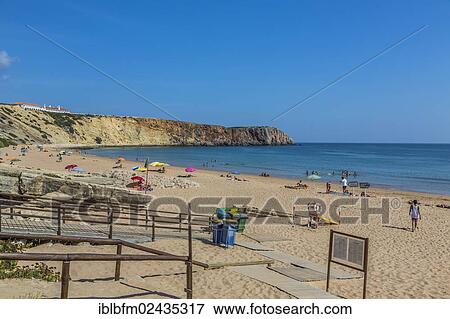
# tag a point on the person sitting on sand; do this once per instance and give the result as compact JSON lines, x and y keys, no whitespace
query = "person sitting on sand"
{"x":118,"y":165}
{"x":414,"y":212}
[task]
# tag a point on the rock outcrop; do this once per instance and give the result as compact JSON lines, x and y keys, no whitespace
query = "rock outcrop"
{"x":28,"y":126}
{"x":42,"y":183}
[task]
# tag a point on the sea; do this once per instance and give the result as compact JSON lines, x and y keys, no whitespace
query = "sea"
{"x":415,"y":167}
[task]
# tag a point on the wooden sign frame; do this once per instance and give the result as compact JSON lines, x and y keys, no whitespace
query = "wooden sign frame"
{"x":363,"y":268}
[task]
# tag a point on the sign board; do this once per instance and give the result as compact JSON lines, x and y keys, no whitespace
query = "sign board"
{"x":349,"y":251}
{"x":364,"y":185}
{"x":353,"y":184}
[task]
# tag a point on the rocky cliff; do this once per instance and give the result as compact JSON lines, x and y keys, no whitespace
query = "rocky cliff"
{"x":27,"y":126}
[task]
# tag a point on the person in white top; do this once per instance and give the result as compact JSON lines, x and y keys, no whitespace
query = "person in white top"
{"x":344,"y":184}
{"x":414,"y":212}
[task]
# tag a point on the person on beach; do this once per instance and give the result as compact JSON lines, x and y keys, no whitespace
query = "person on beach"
{"x":414,"y":212}
{"x":344,"y":184}
{"x":328,"y":188}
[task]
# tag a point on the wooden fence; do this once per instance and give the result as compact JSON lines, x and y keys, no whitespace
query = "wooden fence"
{"x":63,"y":211}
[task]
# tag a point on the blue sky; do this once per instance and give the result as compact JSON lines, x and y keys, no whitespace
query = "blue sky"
{"x":239,"y":63}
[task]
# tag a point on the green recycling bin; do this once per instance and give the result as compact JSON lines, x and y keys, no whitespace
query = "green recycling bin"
{"x":241,"y":221}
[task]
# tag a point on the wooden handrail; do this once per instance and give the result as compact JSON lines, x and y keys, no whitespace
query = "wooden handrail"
{"x":9,"y":197}
{"x":87,"y":257}
{"x":66,"y":258}
{"x":80,"y":239}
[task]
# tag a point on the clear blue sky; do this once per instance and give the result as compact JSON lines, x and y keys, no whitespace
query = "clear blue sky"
{"x":239,"y":63}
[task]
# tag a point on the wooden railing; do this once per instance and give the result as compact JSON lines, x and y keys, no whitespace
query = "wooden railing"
{"x":104,"y":213}
{"x":156,"y":255}
{"x":110,"y":214}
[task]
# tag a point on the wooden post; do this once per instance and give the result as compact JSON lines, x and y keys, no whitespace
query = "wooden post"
{"x":153,"y":228}
{"x":65,"y":276}
{"x":110,"y":221}
{"x":330,"y":251}
{"x":179,"y":222}
{"x":62,"y":216}
{"x":146,"y":180}
{"x":117,"y":272}
{"x":366,"y":253}
{"x":11,"y":210}
{"x":189,"y":261}
{"x":209,"y":225}
{"x":0,"y":217}
{"x":146,"y":219}
{"x":58,"y":231}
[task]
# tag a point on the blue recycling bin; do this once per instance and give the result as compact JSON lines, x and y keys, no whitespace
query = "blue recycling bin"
{"x":224,"y":234}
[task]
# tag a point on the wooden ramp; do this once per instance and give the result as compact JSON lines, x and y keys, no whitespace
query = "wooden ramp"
{"x":288,"y":285}
{"x":303,"y":263}
{"x":253,"y":246}
{"x":127,"y":233}
{"x":260,"y":238}
{"x":300,"y":274}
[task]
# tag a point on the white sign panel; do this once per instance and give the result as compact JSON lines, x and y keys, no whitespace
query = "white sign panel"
{"x":348,"y":250}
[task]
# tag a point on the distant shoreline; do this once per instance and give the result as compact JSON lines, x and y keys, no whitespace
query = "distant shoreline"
{"x":288,"y":178}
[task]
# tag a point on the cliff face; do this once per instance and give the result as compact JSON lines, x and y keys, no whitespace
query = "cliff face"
{"x":26,"y":126}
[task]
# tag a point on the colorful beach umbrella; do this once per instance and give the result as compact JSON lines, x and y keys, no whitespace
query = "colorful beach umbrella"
{"x":137,"y":178}
{"x":190,"y":170}
{"x":158,"y":164}
{"x":141,"y":169}
{"x":71,"y":166}
{"x":155,"y":164}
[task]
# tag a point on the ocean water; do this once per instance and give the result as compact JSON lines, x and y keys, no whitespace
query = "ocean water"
{"x":416,"y":167}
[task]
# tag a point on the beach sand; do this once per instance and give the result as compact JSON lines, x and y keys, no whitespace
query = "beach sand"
{"x":402,"y":264}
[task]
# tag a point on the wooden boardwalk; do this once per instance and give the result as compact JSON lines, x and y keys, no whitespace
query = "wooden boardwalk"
{"x":289,"y":285}
{"x":303,"y":263}
{"x":128,"y":233}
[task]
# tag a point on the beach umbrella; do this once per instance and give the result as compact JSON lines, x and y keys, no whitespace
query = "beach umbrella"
{"x":155,"y":164}
{"x":137,"y":178}
{"x":78,"y":170}
{"x":141,"y":169}
{"x":314,"y":177}
{"x":135,"y":168}
{"x":190,"y":170}
{"x":71,"y":166}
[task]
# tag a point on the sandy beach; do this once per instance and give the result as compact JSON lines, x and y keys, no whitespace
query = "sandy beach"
{"x":402,"y":264}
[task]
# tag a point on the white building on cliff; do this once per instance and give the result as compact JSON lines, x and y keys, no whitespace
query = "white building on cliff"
{"x":45,"y":108}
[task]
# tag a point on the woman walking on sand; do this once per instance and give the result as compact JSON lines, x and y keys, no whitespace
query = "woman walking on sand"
{"x":414,"y":212}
